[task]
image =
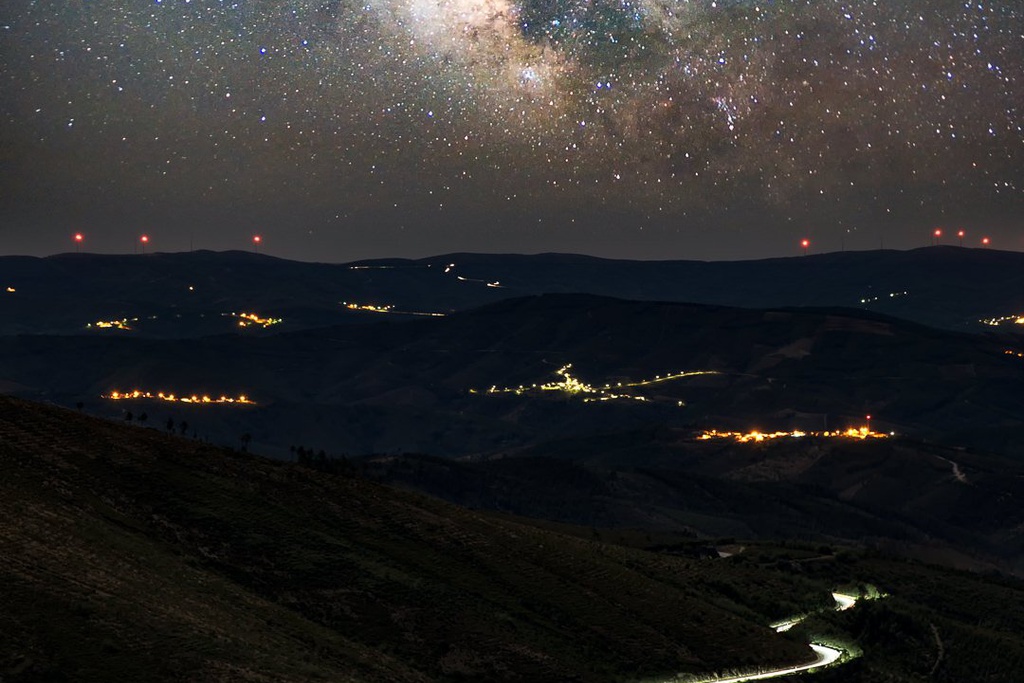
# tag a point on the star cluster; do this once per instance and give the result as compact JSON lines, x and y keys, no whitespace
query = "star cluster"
{"x":640,"y":127}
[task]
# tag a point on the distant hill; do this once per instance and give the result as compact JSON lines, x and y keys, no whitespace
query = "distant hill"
{"x":912,"y":499}
{"x":128,"y":554}
{"x":388,"y":387}
{"x":193,"y":294}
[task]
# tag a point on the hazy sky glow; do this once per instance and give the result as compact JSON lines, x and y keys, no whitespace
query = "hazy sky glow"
{"x":636,"y":128}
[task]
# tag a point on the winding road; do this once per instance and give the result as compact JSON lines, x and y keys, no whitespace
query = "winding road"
{"x":824,"y":655}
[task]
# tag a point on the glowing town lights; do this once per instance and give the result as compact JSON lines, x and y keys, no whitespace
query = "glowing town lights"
{"x":755,"y":436}
{"x":251,"y":319}
{"x":11,"y":290}
{"x":122,"y":324}
{"x":373,"y":308}
{"x":573,"y":386}
{"x":1018,"y":354}
{"x":1016,"y":319}
{"x":241,"y":399}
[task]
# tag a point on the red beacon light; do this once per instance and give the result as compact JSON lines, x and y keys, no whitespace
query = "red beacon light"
{"x":256,"y":239}
{"x":985,"y":241}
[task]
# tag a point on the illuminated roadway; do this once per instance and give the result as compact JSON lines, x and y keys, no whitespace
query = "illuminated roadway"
{"x":824,"y":656}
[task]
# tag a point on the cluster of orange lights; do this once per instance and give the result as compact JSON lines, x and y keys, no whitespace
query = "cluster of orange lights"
{"x":608,"y":392}
{"x":172,"y":398}
{"x":122,"y":324}
{"x":996,"y":322}
{"x":373,"y":308}
{"x":251,"y":319}
{"x":1016,"y":354}
{"x":755,"y":436}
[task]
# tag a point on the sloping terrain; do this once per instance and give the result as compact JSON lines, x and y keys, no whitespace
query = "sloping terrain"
{"x":192,"y":294}
{"x":914,"y":499}
{"x":388,"y":387}
{"x":129,"y":554}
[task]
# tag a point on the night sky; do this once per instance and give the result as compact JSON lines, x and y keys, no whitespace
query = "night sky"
{"x":634,"y":128}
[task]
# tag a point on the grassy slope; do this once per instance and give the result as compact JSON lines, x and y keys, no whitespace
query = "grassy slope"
{"x":128,"y":554}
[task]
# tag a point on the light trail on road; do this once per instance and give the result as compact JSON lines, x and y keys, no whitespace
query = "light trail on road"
{"x":844,"y":601}
{"x":825,"y":655}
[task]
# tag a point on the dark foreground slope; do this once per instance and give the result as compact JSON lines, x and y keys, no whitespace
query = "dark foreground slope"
{"x":130,"y":555}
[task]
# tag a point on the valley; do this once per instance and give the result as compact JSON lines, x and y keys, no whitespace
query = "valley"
{"x":512,"y":468}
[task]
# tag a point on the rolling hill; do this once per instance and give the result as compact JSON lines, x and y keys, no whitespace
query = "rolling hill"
{"x":450,"y":386}
{"x":131,"y":554}
{"x":193,"y":294}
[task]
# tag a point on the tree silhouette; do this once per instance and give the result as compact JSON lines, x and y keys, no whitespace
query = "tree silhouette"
{"x":245,"y":439}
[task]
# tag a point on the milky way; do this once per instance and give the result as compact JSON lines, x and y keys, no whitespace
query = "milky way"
{"x":640,"y":127}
